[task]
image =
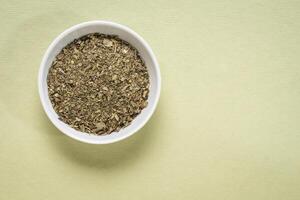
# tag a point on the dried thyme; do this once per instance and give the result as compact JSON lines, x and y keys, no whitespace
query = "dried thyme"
{"x":98,"y":84}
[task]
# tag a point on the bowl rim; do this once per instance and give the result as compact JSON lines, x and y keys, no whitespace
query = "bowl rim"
{"x":116,"y":25}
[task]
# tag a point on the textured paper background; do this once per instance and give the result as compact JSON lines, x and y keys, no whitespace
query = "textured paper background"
{"x":227,"y":125}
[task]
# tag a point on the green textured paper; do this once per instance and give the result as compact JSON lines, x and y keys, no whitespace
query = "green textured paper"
{"x":227,"y":126}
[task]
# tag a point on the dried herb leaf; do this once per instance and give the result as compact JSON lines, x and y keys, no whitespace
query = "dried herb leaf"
{"x":98,"y":84}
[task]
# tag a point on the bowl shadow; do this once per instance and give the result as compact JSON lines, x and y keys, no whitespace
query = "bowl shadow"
{"x":115,"y":155}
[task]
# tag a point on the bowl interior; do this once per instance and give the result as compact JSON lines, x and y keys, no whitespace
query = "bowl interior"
{"x":107,"y":28}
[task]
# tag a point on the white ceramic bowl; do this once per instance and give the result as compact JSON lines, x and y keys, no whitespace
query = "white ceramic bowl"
{"x":124,"y":33}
